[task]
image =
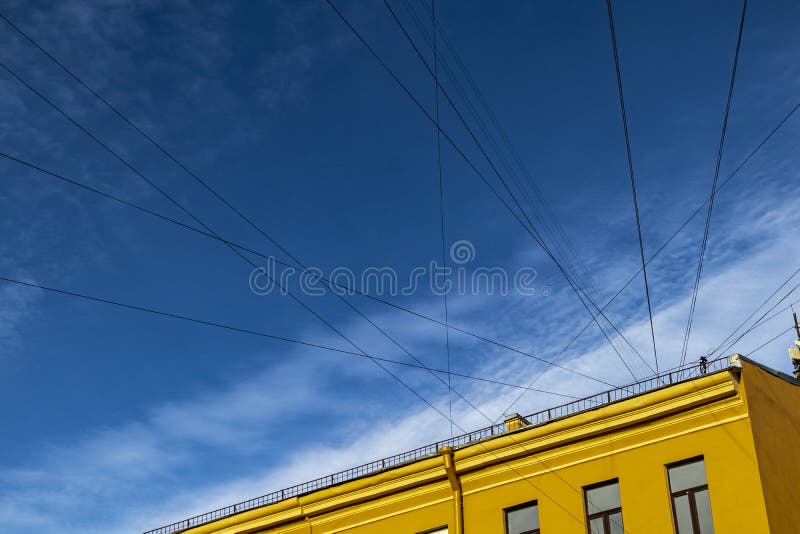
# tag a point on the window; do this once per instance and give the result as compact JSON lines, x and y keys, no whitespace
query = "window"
{"x":691,"y":506}
{"x":523,"y":519}
{"x":604,"y":508}
{"x":440,"y":530}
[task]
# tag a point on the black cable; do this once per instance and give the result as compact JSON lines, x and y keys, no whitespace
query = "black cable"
{"x":144,"y":134}
{"x":664,"y":245}
{"x":529,"y":227}
{"x":166,"y":195}
{"x":549,"y":226}
{"x":763,"y":303}
{"x":771,"y":340}
{"x":441,"y":200}
{"x":713,"y":187}
{"x":761,"y":319}
{"x":752,"y":153}
{"x":765,"y":320}
{"x":694,"y":214}
{"x":210,"y":189}
{"x":171,"y":157}
{"x":289,"y":293}
{"x":631,"y":173}
{"x":264,"y":334}
{"x":550,"y":362}
{"x":630,"y":280}
{"x":555,"y":227}
{"x":330,"y":283}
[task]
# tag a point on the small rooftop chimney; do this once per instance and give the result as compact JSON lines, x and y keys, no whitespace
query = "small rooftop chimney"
{"x":514,"y":421}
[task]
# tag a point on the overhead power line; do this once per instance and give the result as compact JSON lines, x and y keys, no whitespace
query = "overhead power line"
{"x":704,"y":243}
{"x":666,"y":243}
{"x":765,"y":320}
{"x":543,"y":213}
{"x":441,"y":201}
{"x":229,"y":205}
{"x":747,"y":159}
{"x":762,"y":317}
{"x":632,"y":175}
{"x":691,"y":217}
{"x":239,"y":213}
{"x":550,"y":228}
{"x":217,"y":195}
{"x":527,"y":225}
{"x":548,"y":224}
{"x":172,"y":200}
{"x":771,"y":340}
{"x":752,"y":154}
{"x":347,"y":288}
{"x":161,"y":149}
{"x":260,"y":333}
{"x":763,"y":303}
{"x":531,"y":228}
{"x":242,"y":248}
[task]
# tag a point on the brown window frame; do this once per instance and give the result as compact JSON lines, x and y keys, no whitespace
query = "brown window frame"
{"x":606,"y":514}
{"x":690,"y":492}
{"x":519,"y":507}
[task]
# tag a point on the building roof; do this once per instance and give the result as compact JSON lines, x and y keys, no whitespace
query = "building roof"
{"x":537,"y":419}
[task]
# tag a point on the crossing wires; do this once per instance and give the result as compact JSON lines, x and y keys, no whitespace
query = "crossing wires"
{"x":526,"y":224}
{"x":476,"y":105}
{"x":632,"y":175}
{"x":704,"y":243}
{"x":219,"y":197}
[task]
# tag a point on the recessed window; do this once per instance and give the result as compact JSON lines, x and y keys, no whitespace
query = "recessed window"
{"x":604,"y":508}
{"x":691,"y":506}
{"x":523,"y":519}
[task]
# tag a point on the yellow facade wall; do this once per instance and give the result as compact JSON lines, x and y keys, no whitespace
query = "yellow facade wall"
{"x":631,"y":441}
{"x":774,"y":407}
{"x":637,"y":457}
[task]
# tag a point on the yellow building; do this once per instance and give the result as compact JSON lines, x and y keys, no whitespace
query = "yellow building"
{"x":714,"y":448}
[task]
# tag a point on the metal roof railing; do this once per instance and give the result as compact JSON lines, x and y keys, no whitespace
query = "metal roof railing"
{"x":539,"y":418}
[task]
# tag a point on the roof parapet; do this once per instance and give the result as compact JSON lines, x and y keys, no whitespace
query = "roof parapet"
{"x":512,"y":422}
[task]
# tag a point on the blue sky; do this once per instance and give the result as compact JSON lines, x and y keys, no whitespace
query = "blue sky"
{"x":119,"y":421}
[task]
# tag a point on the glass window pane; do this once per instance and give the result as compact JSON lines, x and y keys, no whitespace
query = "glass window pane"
{"x":615,"y":520}
{"x":703,"y":505}
{"x":603,"y":498}
{"x":523,"y":519}
{"x":683,"y":515}
{"x":687,"y":476}
{"x":596,"y":526}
